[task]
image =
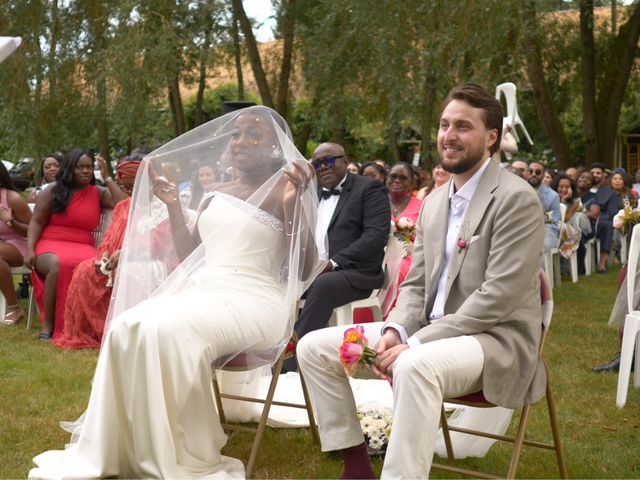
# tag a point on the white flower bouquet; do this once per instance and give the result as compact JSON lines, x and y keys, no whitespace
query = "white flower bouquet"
{"x":376,"y":421}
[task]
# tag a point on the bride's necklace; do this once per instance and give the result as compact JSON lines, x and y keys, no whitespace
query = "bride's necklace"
{"x":400,"y":208}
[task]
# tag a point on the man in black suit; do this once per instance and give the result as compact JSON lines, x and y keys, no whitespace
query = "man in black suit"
{"x":353,"y":227}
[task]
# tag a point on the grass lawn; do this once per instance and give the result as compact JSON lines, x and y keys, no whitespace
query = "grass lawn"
{"x":41,"y":385}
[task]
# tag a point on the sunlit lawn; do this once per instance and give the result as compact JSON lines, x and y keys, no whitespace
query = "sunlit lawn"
{"x":41,"y":385}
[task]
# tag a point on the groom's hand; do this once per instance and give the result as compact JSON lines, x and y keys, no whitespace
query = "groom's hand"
{"x":388,"y":348}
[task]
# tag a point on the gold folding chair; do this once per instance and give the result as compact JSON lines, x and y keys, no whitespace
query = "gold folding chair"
{"x":478,"y":400}
{"x":238,"y":364}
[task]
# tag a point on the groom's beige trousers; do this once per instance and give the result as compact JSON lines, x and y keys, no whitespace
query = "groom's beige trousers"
{"x":422,"y":376}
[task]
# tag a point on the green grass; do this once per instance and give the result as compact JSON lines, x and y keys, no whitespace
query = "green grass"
{"x":41,"y":385}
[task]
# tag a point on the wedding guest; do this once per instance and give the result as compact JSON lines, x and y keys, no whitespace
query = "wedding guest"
{"x":548,"y":178}
{"x":605,"y":206}
{"x":91,"y":284}
{"x":621,"y":184}
{"x":353,"y":168}
{"x":550,"y":204}
{"x":60,"y":235}
{"x":406,"y":207}
{"x":114,"y":187}
{"x":14,"y":219}
{"x":205,"y":177}
{"x":48,"y":169}
{"x":570,"y":232}
{"x":636,"y":180}
{"x":572,"y":173}
{"x":374,"y":170}
{"x":353,"y":222}
{"x":454,"y":330}
{"x":522,"y":167}
{"x":440,"y":177}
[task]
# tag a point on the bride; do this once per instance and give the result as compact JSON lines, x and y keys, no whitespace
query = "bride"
{"x":228,"y":287}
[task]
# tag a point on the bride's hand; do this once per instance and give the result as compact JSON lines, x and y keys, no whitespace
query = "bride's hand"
{"x":297,"y":182}
{"x":163,"y":185}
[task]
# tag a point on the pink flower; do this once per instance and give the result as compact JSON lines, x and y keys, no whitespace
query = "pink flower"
{"x":462,"y":244}
{"x":405,"y":223}
{"x":350,"y":355}
{"x":355,"y":334}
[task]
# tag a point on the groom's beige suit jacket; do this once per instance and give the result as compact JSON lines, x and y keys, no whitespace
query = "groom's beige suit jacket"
{"x":492,"y":289}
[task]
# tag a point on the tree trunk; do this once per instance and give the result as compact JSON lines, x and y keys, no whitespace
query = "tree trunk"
{"x":175,"y":102}
{"x":101,"y":120}
{"x":53,"y":45}
{"x":288,"y":26}
{"x":614,"y":83}
{"x":588,"y":54}
{"x":254,"y":54}
{"x":202,"y":80}
{"x":238,"y":55}
{"x":429,"y":101}
{"x":541,"y":97}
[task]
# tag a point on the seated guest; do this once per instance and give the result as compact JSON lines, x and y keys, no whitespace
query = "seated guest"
{"x":454,"y":331}
{"x":403,"y":206}
{"x":14,"y":219}
{"x":60,"y":235}
{"x":550,"y":204}
{"x":374,"y":170}
{"x":90,"y":287}
{"x":605,"y":206}
{"x":522,"y":167}
{"x":440,"y":177}
{"x":570,"y":232}
{"x":572,"y":173}
{"x":205,"y":176}
{"x":48,"y":170}
{"x":622,"y":185}
{"x":353,"y":168}
{"x":352,"y":230}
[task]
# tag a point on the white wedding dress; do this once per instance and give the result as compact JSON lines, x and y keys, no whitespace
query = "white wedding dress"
{"x":151,"y":413}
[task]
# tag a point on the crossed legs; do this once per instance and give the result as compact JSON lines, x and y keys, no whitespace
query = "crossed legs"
{"x":423,"y":376}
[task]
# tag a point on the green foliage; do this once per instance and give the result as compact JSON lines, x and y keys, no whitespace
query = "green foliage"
{"x":212,"y":102}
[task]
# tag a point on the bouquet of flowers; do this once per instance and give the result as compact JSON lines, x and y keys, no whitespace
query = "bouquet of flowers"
{"x":355,"y":350}
{"x":404,"y":229}
{"x":375,"y":421}
{"x":627,"y":217}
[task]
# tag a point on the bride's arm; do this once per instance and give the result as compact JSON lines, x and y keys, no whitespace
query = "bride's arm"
{"x":297,"y":181}
{"x":183,"y":239}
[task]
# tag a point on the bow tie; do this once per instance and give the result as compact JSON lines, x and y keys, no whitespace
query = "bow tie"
{"x":327,"y":193}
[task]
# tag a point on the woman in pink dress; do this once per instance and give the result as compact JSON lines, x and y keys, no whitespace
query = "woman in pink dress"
{"x":14,"y":218}
{"x":90,"y":289}
{"x":60,"y":235}
{"x":404,"y":206}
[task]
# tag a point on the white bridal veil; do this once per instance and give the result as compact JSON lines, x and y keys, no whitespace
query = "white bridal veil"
{"x":150,"y":265}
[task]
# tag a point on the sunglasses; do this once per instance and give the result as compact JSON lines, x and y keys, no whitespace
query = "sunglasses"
{"x":400,"y":178}
{"x":535,"y":171}
{"x":328,"y":161}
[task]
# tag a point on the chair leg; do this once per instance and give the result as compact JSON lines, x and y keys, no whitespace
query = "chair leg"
{"x":573,"y":260}
{"x":307,"y":400}
{"x":30,"y":314}
{"x":518,"y":441}
{"x":557,"y":273}
{"x":555,"y":431}
{"x":265,"y":416}
{"x":218,"y":398}
{"x":446,"y":433}
{"x":631,"y":330}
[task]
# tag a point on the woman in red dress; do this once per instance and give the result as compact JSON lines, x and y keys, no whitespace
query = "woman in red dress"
{"x":90,"y":289}
{"x":60,"y":235}
{"x":404,"y":206}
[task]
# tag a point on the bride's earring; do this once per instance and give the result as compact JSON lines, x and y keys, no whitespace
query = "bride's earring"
{"x":276,"y":158}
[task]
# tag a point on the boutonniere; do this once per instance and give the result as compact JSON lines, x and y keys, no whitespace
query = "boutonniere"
{"x":464,"y":233}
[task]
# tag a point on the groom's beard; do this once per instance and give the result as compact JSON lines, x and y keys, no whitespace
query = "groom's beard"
{"x":463,"y":164}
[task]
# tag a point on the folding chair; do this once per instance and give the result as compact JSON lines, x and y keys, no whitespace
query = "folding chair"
{"x":631,"y":333}
{"x":239,"y":364}
{"x":3,"y":302}
{"x":478,"y":400}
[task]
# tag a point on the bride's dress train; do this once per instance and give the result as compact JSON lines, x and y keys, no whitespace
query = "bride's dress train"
{"x":151,"y":413}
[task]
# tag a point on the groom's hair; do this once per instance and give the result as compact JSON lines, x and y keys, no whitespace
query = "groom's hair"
{"x":478,"y":97}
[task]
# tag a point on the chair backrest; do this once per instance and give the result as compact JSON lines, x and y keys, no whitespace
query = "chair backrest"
{"x":632,"y":265}
{"x":563,"y":212}
{"x":105,"y":220}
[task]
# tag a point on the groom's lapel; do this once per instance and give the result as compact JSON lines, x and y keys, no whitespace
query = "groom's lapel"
{"x":477,"y":207}
{"x":438,"y":226}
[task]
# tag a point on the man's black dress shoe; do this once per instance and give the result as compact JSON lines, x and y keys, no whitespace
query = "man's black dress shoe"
{"x":613,"y":365}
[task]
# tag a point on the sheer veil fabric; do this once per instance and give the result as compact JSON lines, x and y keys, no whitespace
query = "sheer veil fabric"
{"x":178,"y":312}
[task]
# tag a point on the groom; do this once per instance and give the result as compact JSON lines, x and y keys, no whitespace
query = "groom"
{"x":468,"y":315}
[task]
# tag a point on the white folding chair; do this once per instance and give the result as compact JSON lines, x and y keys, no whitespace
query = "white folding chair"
{"x":344,"y":313}
{"x":630,"y":337}
{"x":513,"y":117}
{"x":552,"y":257}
